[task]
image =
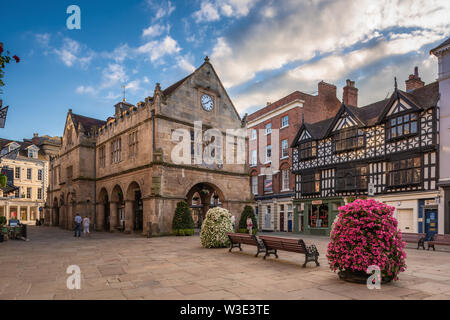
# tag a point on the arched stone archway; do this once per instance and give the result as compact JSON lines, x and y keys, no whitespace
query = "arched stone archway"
{"x":103,"y":212}
{"x":117,"y":208}
{"x":56,"y":212}
{"x":134,"y":213}
{"x":201,"y":197}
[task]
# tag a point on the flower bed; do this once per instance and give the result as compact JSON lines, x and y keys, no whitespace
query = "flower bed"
{"x":365,"y":233}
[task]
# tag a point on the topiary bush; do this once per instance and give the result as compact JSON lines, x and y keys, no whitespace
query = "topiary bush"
{"x":214,"y":228}
{"x":365,"y":233}
{"x":2,"y":220}
{"x":182,"y":222}
{"x":248,"y":211}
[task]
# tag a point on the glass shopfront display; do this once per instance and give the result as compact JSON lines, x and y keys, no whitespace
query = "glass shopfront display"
{"x":318,"y":215}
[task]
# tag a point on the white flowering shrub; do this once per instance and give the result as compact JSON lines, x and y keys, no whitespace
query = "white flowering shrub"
{"x":214,"y":228}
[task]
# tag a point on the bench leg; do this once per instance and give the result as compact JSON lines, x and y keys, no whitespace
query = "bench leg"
{"x":240,"y":249}
{"x":314,"y":258}
{"x":235,"y":245}
{"x":269,"y":252}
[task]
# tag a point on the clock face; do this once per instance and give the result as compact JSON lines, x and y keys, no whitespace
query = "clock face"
{"x":207,"y":102}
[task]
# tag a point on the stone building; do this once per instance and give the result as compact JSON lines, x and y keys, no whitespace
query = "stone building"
{"x":25,"y":163}
{"x":122,"y":174}
{"x":271,"y":131}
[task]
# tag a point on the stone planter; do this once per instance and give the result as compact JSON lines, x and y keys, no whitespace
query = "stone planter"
{"x":359,"y":277}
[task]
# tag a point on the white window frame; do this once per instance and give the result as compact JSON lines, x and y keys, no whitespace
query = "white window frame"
{"x":254,"y":181}
{"x":254,"y":134}
{"x":268,"y":128}
{"x":282,"y":124}
{"x":254,"y":158}
{"x":287,"y":149}
{"x":285,"y":183}
{"x":268,"y":159}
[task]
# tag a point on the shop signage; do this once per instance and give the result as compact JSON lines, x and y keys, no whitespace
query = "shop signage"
{"x":316,"y":202}
{"x":430,"y":202}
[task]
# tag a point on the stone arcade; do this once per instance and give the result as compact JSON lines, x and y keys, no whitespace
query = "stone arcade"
{"x":120,"y":173}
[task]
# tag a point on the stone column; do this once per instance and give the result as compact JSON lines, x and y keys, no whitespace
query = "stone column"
{"x":99,"y":224}
{"x":28,"y":213}
{"x":129,"y":215}
{"x":113,"y":215}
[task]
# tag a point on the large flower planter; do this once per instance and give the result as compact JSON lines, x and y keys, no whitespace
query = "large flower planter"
{"x":359,"y":277}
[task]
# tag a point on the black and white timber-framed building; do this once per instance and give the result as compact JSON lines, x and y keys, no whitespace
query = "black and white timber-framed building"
{"x":388,"y":150}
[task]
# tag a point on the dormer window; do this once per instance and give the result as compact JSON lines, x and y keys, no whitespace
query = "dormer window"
{"x":32,"y":153}
{"x":308,"y":150}
{"x":349,"y":139}
{"x":402,"y":126}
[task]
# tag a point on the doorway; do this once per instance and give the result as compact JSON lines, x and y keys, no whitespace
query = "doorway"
{"x":431,"y":223}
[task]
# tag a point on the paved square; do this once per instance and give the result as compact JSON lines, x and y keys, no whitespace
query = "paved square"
{"x":119,"y":266}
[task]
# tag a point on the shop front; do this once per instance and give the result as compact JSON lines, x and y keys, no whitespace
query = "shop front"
{"x":315,"y":217}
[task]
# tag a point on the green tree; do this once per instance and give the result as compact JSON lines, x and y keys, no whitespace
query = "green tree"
{"x":182,"y":218}
{"x":248,"y":211}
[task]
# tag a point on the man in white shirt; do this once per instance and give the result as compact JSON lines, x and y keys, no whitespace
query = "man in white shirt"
{"x":78,"y":221}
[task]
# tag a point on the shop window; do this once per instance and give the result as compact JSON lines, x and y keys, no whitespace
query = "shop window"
{"x":318,"y":216}
{"x":404,"y":172}
{"x":349,"y":139}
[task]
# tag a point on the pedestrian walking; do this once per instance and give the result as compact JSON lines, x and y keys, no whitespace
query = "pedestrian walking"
{"x":86,"y":224}
{"x":78,"y":221}
{"x":249,"y":225}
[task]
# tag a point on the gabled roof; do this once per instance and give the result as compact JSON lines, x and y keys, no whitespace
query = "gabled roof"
{"x":369,"y":115}
{"x":86,"y":122}
{"x":172,"y":88}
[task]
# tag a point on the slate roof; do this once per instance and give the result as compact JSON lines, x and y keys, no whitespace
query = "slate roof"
{"x":87,"y":122}
{"x":424,"y":98}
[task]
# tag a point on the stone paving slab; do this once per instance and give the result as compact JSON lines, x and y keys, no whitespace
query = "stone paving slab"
{"x":120,"y":266}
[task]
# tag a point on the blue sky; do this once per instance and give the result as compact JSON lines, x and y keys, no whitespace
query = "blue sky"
{"x":262,"y":50}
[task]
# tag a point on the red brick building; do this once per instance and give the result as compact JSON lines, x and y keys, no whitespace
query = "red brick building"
{"x":271,"y":131}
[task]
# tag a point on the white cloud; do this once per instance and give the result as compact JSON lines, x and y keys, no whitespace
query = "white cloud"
{"x":156,"y":49}
{"x":373,"y":84}
{"x":155,"y":30}
{"x":212,"y":10}
{"x":86,"y":90}
{"x":301,"y":31}
{"x":73,"y":53}
{"x":185,"y":64}
{"x":161,"y":8}
{"x":113,"y":75}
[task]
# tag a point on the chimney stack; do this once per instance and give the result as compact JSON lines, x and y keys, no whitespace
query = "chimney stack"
{"x":414,"y":81}
{"x":350,"y":94}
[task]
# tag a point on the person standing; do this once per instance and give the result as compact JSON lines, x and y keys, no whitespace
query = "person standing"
{"x":249,"y":225}
{"x":86,"y":223}
{"x":233,"y":221}
{"x":78,"y":221}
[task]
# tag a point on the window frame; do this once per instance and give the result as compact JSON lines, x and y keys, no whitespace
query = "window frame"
{"x":283,"y":149}
{"x":271,"y":186}
{"x":308,"y":179}
{"x":268,"y":127}
{"x":409,"y":166}
{"x":360,"y":134}
{"x":402,"y":115}
{"x":356,"y":174}
{"x":268,"y":159}
{"x":307,"y":147}
{"x":254,"y":185}
{"x":29,"y":173}
{"x":282,"y":122}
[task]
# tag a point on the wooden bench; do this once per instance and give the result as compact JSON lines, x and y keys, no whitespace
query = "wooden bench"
{"x":236,"y":239}
{"x":441,"y":239}
{"x":418,"y":238}
{"x":273,"y":244}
